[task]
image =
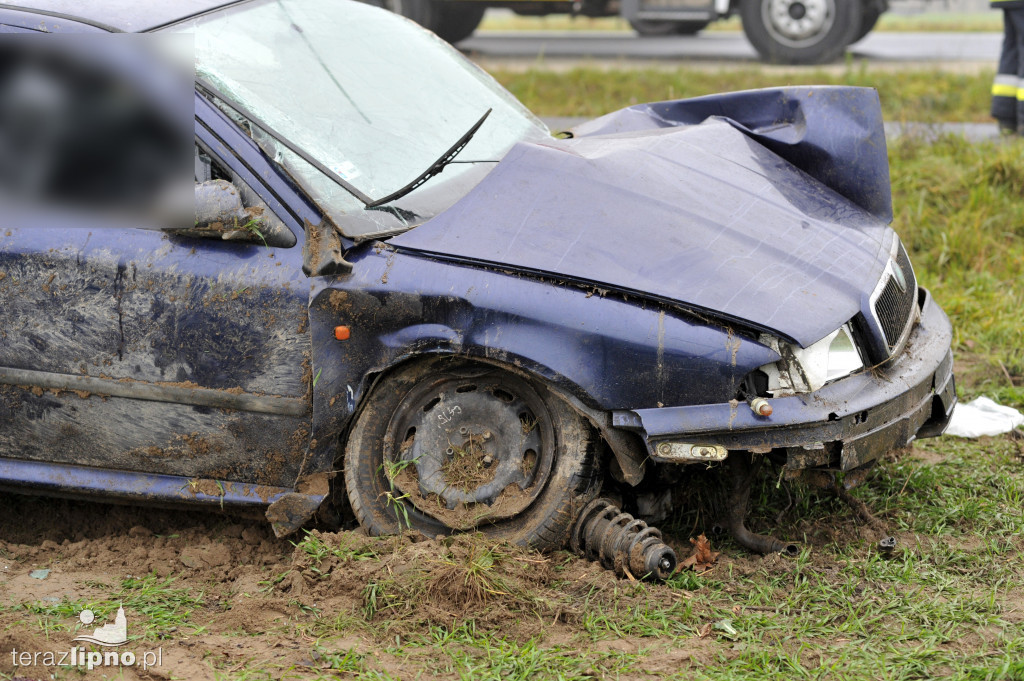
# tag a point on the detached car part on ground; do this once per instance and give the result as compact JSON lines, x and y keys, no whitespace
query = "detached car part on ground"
{"x":396,"y":271}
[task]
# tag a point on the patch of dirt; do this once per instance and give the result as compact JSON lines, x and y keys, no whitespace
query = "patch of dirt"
{"x":1014,"y":604}
{"x":275,"y":602}
{"x":975,"y":373}
{"x":339,"y":302}
{"x":926,"y":456}
{"x":313,"y":245}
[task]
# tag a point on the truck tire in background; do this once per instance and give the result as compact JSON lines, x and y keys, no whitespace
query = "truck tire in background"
{"x":801,"y":31}
{"x":648,"y":28}
{"x":456,"y":21}
{"x":872,"y":12}
{"x":423,"y":12}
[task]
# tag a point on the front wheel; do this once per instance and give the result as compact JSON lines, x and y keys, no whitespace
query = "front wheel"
{"x":801,"y":31}
{"x":447,"y":446}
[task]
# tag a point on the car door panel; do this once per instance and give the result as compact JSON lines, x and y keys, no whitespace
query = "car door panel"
{"x":135,"y":349}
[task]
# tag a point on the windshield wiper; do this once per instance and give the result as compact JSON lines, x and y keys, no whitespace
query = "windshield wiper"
{"x":436,"y":167}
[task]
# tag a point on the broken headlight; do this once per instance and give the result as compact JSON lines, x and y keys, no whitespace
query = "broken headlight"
{"x":803,"y":370}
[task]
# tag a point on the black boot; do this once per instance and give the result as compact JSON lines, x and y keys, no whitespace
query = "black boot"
{"x":1007,"y":127}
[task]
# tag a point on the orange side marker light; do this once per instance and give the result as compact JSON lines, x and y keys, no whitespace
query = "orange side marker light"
{"x":342,"y":332}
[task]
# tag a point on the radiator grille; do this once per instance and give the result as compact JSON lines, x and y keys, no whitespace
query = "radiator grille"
{"x":895,"y":305}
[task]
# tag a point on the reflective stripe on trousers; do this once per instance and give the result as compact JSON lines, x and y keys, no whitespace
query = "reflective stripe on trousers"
{"x":1008,"y":86}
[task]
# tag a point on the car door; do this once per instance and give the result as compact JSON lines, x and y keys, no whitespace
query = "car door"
{"x":158,"y":352}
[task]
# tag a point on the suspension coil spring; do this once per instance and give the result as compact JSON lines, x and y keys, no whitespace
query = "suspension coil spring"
{"x":620,"y":542}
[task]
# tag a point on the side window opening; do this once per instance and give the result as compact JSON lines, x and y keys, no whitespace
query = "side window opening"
{"x":228,"y":209}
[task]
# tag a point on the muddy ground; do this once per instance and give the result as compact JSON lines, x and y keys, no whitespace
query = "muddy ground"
{"x":219,"y":597}
{"x":240,"y":600}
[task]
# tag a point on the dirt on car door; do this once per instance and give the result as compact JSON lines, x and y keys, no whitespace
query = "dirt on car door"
{"x":144,"y":351}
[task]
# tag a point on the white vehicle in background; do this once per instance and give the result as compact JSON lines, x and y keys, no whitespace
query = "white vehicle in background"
{"x":782,"y":31}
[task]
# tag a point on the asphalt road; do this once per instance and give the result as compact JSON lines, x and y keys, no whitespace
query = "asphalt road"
{"x":726,"y":46}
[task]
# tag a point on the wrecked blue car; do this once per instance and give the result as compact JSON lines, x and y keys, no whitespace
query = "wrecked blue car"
{"x":401,"y":295}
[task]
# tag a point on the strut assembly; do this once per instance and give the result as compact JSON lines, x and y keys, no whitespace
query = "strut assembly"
{"x":628,"y":546}
{"x":620,"y":542}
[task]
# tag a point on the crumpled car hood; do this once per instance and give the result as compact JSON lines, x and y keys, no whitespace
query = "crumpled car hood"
{"x":703,"y":216}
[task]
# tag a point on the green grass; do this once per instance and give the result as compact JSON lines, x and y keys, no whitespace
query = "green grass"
{"x":484,"y":655}
{"x":946,"y":604}
{"x":960,"y":209}
{"x":927,"y":95}
{"x":317,"y":550}
{"x":942,"y":21}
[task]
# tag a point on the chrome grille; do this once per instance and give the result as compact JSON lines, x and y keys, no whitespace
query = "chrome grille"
{"x":894,"y":305}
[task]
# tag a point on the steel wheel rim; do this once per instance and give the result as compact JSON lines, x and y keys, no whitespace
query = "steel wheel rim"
{"x":438,"y":442}
{"x":798,"y":23}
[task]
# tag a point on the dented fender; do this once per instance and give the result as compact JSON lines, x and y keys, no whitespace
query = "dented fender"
{"x":603,"y":350}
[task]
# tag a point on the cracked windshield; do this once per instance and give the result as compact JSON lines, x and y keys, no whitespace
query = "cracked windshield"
{"x":314,"y":73}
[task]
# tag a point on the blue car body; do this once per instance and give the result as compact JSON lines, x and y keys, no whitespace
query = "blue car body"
{"x":636,"y":267}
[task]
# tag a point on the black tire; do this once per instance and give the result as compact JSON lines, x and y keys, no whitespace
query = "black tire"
{"x":691,"y":27}
{"x":423,"y":12}
{"x":457,"y":22}
{"x":647,"y":28}
{"x":395,"y":470}
{"x":801,"y":31}
{"x":872,"y":12}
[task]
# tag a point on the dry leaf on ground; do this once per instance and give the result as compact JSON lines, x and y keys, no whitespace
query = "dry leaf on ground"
{"x":703,"y":557}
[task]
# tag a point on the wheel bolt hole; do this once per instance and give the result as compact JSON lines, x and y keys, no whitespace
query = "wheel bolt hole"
{"x":450,"y":451}
{"x":463,"y":430}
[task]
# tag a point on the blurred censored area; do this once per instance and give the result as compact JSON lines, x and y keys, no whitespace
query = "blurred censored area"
{"x":96,"y":126}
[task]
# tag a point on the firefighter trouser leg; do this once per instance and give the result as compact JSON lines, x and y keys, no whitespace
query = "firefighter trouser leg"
{"x":1008,"y":87}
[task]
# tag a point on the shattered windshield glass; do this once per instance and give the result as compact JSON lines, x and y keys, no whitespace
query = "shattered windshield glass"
{"x":369,"y":95}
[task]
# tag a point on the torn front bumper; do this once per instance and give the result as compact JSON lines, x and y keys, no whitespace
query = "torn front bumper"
{"x":841,"y":426}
